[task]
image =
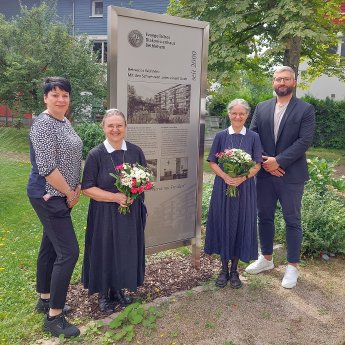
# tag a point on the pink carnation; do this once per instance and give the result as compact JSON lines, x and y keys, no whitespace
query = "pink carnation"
{"x":119,"y":167}
{"x":134,"y":190}
{"x":148,"y":186}
{"x":140,"y":189}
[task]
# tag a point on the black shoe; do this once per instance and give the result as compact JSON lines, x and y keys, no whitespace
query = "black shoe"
{"x":60,"y":326}
{"x":222,"y":279}
{"x":104,"y":304}
{"x":119,"y":297}
{"x":43,"y":307}
{"x":235,"y":281}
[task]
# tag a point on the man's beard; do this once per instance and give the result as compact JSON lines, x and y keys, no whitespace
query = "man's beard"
{"x":288,"y":91}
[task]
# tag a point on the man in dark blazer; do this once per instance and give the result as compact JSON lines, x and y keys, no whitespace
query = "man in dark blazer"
{"x":286,"y":126}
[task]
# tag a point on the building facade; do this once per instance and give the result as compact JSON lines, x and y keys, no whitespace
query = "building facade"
{"x":324,"y":86}
{"x":84,"y":17}
{"x":87,"y":16}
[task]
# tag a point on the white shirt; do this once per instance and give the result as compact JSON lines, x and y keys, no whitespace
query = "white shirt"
{"x":278,"y":115}
{"x":110,"y":149}
{"x":243,"y":130}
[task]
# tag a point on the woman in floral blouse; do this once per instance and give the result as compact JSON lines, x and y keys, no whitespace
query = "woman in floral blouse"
{"x":53,"y":190}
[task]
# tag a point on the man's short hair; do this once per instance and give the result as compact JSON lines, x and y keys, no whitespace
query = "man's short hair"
{"x":284,"y":69}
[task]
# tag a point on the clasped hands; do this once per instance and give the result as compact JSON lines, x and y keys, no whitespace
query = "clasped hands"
{"x":271,"y":165}
{"x":122,"y":199}
{"x":234,"y":181}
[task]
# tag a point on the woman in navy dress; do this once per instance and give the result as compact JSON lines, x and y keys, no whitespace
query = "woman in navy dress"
{"x":231,"y":229}
{"x":114,"y":243}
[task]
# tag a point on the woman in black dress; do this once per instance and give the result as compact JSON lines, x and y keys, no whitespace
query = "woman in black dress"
{"x":114,"y":243}
{"x":231,"y":224}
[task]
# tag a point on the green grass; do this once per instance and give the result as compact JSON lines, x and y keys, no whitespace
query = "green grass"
{"x":20,"y":235}
{"x":205,"y":162}
{"x":328,"y":154}
{"x":14,"y":140}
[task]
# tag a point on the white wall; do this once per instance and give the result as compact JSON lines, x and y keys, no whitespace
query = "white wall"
{"x":324,"y":87}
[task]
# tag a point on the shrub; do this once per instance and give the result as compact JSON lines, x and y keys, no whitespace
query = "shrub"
{"x":206,"y":196}
{"x":321,"y":173}
{"x":91,"y":134}
{"x":330,"y":122}
{"x":329,"y":114}
{"x":323,"y":220}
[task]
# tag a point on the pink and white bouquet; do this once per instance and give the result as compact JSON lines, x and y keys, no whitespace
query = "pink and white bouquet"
{"x":236,"y":162}
{"x":132,"y":180}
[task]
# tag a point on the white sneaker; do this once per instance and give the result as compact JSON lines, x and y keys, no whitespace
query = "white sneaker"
{"x":290,"y":277}
{"x":260,"y":265}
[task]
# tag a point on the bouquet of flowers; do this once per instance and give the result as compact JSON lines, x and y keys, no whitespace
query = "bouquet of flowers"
{"x":236,"y":162}
{"x":132,"y":180}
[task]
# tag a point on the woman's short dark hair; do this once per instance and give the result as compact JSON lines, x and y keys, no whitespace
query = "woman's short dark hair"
{"x":51,"y":83}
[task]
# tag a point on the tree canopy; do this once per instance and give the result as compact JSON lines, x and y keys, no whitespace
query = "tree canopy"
{"x":35,"y":45}
{"x":259,"y":34}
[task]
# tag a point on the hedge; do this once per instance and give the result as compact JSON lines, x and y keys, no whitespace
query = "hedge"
{"x":330,"y":123}
{"x":330,"y":120}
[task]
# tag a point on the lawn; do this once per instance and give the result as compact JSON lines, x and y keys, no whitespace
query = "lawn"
{"x":20,"y":234}
{"x":328,"y":154}
{"x":14,"y":140}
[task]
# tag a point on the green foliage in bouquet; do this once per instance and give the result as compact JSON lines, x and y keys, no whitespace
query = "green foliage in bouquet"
{"x":132,"y":180}
{"x":236,"y":162}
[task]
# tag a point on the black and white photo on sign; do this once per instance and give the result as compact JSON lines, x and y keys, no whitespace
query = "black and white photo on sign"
{"x":152,"y":103}
{"x":173,"y":168}
{"x":152,"y":166}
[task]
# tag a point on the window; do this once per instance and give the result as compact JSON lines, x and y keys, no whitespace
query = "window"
{"x":342,"y":49}
{"x":97,"y":8}
{"x":100,"y":49}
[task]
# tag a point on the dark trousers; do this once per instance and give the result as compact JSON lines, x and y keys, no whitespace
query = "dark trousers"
{"x":59,"y":249}
{"x":269,"y":191}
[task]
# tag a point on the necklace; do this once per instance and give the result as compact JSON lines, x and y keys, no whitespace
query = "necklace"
{"x":232,"y":144}
{"x":123,"y":159}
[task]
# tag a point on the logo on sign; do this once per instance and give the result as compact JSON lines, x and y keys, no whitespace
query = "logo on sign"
{"x":135,"y":38}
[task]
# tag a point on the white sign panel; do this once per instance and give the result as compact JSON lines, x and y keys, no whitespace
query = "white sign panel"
{"x":155,"y":79}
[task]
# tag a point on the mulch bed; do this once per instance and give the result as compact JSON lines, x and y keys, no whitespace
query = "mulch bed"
{"x":163,"y":277}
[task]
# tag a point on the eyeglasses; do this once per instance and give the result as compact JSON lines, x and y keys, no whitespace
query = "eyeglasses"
{"x":239,"y":114}
{"x":116,"y":126}
{"x":279,"y":80}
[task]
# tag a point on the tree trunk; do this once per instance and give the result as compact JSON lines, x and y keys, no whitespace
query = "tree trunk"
{"x":292,"y":54}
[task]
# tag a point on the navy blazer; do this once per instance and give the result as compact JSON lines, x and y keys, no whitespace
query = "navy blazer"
{"x":295,"y":135}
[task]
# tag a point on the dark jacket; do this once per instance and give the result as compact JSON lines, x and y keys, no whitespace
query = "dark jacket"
{"x":295,"y":135}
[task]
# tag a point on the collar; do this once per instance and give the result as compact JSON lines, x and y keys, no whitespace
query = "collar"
{"x":243,"y":130}
{"x":110,"y":149}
